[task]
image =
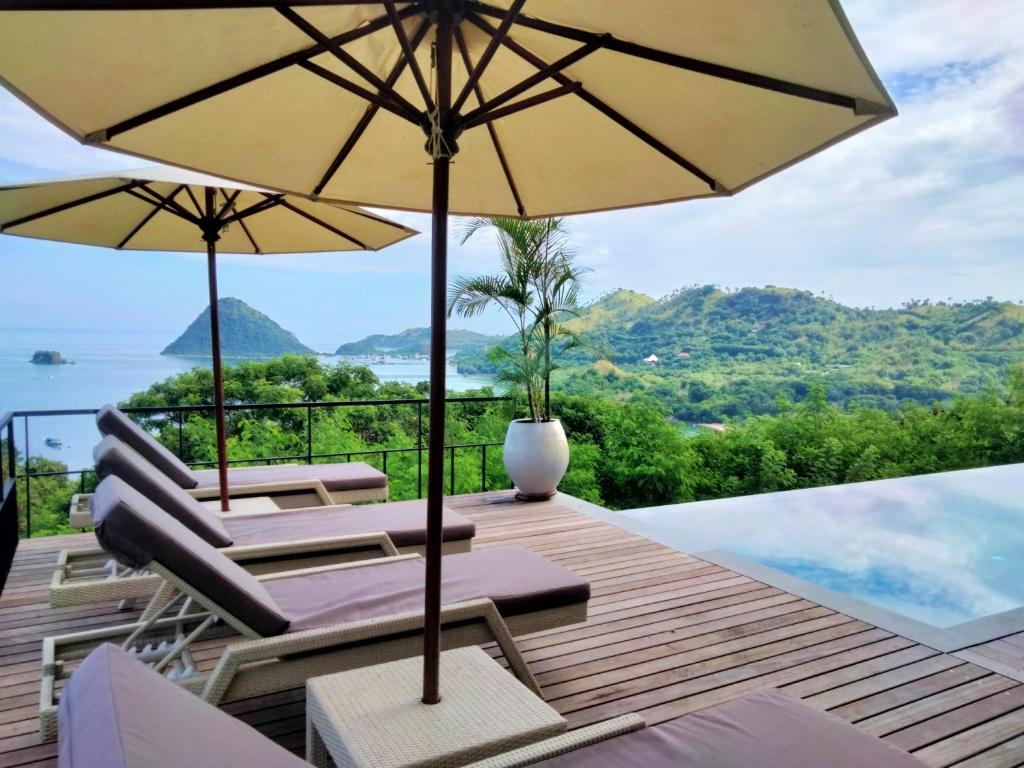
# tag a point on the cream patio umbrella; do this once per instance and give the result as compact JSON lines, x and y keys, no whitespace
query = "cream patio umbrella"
{"x":167,"y":209}
{"x":499,"y":107}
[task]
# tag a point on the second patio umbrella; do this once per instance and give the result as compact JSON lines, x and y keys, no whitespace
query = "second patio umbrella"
{"x":166,"y":209}
{"x":567,"y":107}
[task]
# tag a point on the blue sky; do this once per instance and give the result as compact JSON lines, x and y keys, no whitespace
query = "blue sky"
{"x":928,"y":205}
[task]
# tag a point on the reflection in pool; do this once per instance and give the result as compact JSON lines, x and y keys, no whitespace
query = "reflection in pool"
{"x":943,"y":548}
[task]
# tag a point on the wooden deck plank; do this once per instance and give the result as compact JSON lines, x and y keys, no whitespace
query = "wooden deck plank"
{"x":668,"y":634}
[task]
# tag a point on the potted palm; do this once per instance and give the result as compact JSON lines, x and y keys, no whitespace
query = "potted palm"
{"x":538,"y":288}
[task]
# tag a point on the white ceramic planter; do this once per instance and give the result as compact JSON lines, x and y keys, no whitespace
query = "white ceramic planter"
{"x":536,"y":457}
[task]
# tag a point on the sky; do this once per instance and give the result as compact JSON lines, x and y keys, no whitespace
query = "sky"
{"x":928,"y":205}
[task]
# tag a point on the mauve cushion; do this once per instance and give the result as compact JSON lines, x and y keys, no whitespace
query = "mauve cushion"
{"x":404,"y":521}
{"x":134,"y":530}
{"x":769,"y":729}
{"x":112,"y":422}
{"x":117,"y":713}
{"x":347,"y":476}
{"x":517,"y":580}
{"x":112,"y":457}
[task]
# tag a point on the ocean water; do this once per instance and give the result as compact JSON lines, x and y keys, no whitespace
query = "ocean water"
{"x":108,"y":366}
{"x":943,"y":549}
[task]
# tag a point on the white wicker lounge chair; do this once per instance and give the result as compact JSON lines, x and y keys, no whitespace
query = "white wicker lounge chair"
{"x":262,"y":543}
{"x":290,"y":485}
{"x":109,"y":707}
{"x":300,"y":624}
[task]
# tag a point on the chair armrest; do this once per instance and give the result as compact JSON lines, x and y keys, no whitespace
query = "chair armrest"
{"x":566,"y":742}
{"x":299,"y":573}
{"x":309,"y":546}
{"x":264,"y":489}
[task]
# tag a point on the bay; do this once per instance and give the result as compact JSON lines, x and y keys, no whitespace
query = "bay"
{"x":110,"y":365}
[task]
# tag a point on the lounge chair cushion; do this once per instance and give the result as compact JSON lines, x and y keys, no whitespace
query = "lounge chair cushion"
{"x":112,"y":422}
{"x":135,"y":531}
{"x":404,"y":522}
{"x":112,"y":457}
{"x":117,"y":713}
{"x":346,"y":476}
{"x":517,"y":580}
{"x":769,"y":729}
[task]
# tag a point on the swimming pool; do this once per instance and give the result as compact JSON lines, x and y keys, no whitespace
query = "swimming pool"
{"x":943,"y":550}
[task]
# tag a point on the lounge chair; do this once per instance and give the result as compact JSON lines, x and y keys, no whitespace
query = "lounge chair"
{"x":261,"y":543}
{"x":116,"y":713}
{"x":346,"y":483}
{"x":304,"y":623}
{"x":768,"y":729}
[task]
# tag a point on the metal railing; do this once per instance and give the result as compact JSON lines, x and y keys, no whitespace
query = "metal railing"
{"x":9,"y":524}
{"x":25,"y":474}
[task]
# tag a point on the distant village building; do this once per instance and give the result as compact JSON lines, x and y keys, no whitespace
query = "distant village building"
{"x":682,"y":355}
{"x":651,"y":359}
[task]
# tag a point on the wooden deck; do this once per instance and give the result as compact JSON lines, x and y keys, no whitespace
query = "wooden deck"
{"x":668,"y":634}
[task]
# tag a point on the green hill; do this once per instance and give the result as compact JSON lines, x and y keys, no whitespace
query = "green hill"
{"x":724,"y":354}
{"x":415,"y":341}
{"x":244,"y":332}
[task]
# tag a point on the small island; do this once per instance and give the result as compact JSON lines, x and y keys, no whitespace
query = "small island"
{"x":48,"y":357}
{"x":244,"y":333}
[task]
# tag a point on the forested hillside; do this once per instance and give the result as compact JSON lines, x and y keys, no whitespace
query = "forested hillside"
{"x":624,"y":455}
{"x":415,"y":341}
{"x":725,"y":355}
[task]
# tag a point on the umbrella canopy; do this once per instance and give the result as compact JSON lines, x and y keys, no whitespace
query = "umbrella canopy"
{"x":563,"y":106}
{"x":587,"y":105}
{"x":167,"y":209}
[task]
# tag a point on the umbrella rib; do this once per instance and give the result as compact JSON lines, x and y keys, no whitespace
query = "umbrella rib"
{"x":195,"y":201}
{"x":566,"y":61}
{"x":229,"y":202}
{"x":519,"y":106}
{"x":358,"y":90}
{"x":241,"y":223}
{"x":70,"y":204}
{"x":498,"y":150}
{"x":173,"y":207}
{"x":149,"y":216}
{"x":678,"y":61}
{"x":331,"y":228}
{"x":409,"y":53}
{"x":368,"y":115}
{"x":346,"y":58}
{"x":607,"y":110}
{"x":242,"y":78}
{"x":269,"y":201}
{"x":485,"y":57}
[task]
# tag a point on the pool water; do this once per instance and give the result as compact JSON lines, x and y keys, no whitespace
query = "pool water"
{"x":943,"y":549}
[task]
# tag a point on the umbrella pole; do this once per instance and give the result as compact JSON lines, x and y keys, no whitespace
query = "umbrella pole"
{"x":438,"y":320}
{"x":211,"y":234}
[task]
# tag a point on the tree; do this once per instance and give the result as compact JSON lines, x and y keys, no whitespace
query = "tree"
{"x":538,"y":287}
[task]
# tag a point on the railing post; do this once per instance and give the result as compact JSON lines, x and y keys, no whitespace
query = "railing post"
{"x":28,"y":488}
{"x":483,"y":468}
{"x":385,"y":454}
{"x":181,"y":434}
{"x":309,"y":434}
{"x":419,"y":451}
{"x":12,"y":467}
{"x":451,"y":471}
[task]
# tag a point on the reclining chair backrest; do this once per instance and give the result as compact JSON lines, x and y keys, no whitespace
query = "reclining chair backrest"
{"x":112,"y":422}
{"x":117,"y":713}
{"x":136,"y":532}
{"x":112,"y":457}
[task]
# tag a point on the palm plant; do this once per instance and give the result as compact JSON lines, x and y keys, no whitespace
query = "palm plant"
{"x":538,"y":288}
